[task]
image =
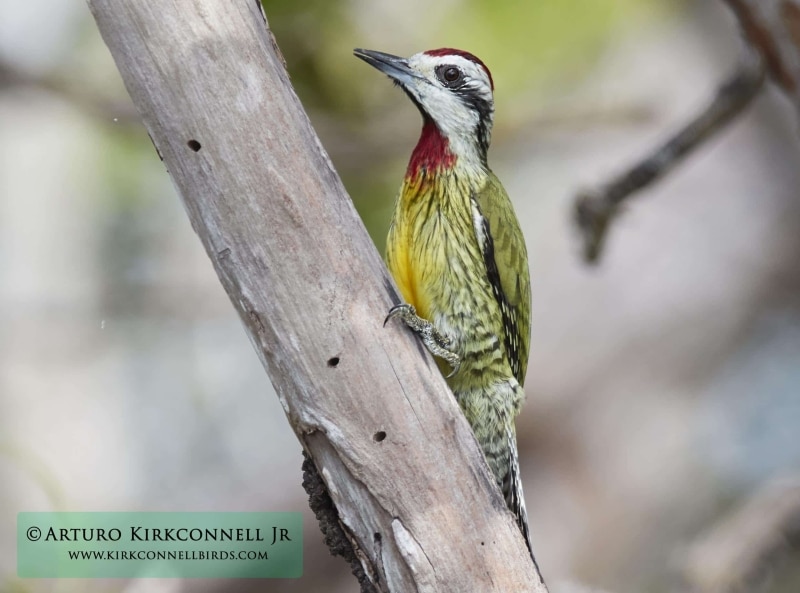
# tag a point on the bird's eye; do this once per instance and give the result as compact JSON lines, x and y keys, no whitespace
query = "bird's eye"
{"x":451,"y":74}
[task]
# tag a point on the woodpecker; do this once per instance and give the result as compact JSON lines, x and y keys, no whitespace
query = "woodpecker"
{"x":457,"y":254}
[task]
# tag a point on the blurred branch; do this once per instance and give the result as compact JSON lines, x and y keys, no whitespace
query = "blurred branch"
{"x":747,"y":543}
{"x":407,"y":482}
{"x":121,"y":112}
{"x":772,"y":28}
{"x":596,"y":208}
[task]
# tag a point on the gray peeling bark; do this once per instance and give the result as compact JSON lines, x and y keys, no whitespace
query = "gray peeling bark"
{"x":410,"y":485}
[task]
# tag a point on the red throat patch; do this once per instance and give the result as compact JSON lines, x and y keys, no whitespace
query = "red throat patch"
{"x":432,"y":152}
{"x":449,"y":51}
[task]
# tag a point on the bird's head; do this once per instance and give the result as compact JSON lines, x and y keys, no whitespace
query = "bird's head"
{"x":452,"y":89}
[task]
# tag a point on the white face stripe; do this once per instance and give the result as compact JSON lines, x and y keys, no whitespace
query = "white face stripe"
{"x":457,"y":120}
{"x":476,"y":76}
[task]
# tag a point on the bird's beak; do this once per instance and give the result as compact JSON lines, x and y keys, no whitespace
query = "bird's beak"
{"x":394,"y":67}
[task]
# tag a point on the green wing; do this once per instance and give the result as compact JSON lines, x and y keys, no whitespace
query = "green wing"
{"x":507,"y":265}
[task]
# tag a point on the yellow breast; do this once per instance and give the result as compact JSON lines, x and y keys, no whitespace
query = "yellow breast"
{"x":429,"y":230}
{"x":400,"y":260}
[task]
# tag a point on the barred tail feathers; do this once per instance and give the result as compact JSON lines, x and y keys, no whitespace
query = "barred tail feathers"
{"x":493,"y":425}
{"x":511,"y":487}
{"x":512,"y":491}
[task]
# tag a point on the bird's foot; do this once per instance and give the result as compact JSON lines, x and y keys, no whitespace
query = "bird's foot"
{"x":435,"y":341}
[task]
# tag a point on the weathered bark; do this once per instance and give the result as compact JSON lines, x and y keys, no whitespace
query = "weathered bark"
{"x":411,"y":488}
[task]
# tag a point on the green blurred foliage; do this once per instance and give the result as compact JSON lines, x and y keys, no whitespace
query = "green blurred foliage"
{"x":133,"y":226}
{"x":127,"y":157}
{"x":530,"y":43}
{"x":530,"y":47}
{"x":526,"y":44}
{"x":305,"y":32}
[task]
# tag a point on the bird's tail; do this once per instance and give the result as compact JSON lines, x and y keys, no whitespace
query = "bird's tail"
{"x":511,"y":487}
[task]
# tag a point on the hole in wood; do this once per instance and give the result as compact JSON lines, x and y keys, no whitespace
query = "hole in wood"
{"x":333,"y":362}
{"x":194,"y":145}
{"x":379,"y":436}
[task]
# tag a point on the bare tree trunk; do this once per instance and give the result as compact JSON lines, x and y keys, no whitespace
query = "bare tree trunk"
{"x":410,"y":485}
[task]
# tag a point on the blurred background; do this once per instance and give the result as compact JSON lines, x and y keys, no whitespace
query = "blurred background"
{"x":663,"y":383}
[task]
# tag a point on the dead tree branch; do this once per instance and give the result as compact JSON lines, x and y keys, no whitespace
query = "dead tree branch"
{"x":596,"y":208}
{"x":102,"y":108}
{"x":738,"y":552}
{"x":410,"y":486}
{"x":772,"y":29}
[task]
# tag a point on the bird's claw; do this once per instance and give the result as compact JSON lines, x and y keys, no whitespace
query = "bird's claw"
{"x":455,"y":363}
{"x":435,"y":341}
{"x":404,"y":311}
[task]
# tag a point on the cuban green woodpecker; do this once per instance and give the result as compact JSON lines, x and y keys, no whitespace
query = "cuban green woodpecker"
{"x":458,"y":256}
